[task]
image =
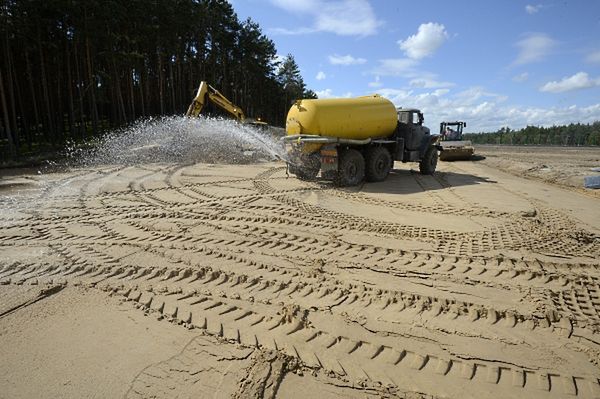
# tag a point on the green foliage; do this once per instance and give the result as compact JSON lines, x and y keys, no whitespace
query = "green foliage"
{"x":575,"y":134}
{"x":70,"y":69}
{"x":290,"y":79}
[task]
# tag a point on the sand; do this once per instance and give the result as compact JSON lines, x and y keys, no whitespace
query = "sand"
{"x":198,"y":280}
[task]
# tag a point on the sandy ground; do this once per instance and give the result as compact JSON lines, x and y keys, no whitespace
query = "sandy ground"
{"x":224,"y":281}
{"x":564,"y":166}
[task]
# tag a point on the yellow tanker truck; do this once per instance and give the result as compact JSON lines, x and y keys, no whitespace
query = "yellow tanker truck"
{"x":351,"y":139}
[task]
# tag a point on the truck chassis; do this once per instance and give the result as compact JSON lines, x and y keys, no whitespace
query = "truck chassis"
{"x":348,"y":162}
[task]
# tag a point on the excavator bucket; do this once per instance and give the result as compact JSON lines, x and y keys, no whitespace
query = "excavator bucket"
{"x":456,"y":150}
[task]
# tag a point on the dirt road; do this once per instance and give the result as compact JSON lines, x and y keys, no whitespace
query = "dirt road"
{"x":203,"y":280}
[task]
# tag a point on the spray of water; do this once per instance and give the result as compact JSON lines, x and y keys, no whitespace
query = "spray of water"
{"x":173,"y":140}
{"x":179,"y":139}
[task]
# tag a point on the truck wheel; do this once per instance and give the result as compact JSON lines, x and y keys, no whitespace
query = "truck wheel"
{"x":351,"y":168}
{"x":429,"y":161}
{"x":309,"y":167}
{"x":378,"y":164}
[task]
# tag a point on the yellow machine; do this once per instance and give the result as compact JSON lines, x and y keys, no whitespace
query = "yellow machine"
{"x":349,"y":139}
{"x":454,"y":148}
{"x":350,"y":118}
{"x":208,"y":93}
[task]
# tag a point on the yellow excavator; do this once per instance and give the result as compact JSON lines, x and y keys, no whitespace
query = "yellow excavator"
{"x":208,"y":93}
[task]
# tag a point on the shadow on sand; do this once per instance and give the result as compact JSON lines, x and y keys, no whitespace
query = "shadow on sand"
{"x":403,"y":181}
{"x":473,"y":158}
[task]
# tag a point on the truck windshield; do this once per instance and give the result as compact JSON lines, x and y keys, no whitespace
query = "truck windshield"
{"x":416,"y":118}
{"x":404,"y":117}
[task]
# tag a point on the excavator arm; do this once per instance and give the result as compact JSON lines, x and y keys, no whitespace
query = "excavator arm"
{"x":208,"y":93}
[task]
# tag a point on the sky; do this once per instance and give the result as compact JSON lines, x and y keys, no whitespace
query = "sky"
{"x":490,"y":63}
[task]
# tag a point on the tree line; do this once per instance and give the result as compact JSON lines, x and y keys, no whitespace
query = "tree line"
{"x":71,"y":69}
{"x":574,"y":134}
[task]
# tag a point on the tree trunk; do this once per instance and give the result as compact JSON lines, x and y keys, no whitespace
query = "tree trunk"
{"x":82,"y":124}
{"x":70,"y":92}
{"x":49,"y":129}
{"x":180,"y":84}
{"x":24,"y":116}
{"x":92,"y":85}
{"x":59,"y":111}
{"x":160,"y":86}
{"x":11,"y":93}
{"x":121,"y":114}
{"x":131,"y":94}
{"x":172,"y":79}
{"x":5,"y":117}
{"x":33,"y":100}
{"x":143,"y":99}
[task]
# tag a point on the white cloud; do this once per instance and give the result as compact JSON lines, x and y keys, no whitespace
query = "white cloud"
{"x":296,"y":6}
{"x":342,"y":17}
{"x":425,"y":42}
{"x":345,"y":60}
{"x":580,"y":80}
{"x":472,"y":94}
{"x":407,"y":68}
{"x":532,"y":9}
{"x":593,"y":57}
{"x":297,"y":31}
{"x":485,"y":111}
{"x":396,"y":67}
{"x":376,"y":83}
{"x":521,"y":77}
{"x":320,"y":75}
{"x":328,"y":93}
{"x":534,"y":47}
{"x":427,"y":83}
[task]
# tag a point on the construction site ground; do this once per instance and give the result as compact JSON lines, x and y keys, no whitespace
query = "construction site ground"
{"x":237,"y":281}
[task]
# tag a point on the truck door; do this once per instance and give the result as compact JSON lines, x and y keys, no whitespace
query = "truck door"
{"x":413,"y":141}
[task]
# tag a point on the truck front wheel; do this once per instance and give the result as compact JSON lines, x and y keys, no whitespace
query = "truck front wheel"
{"x":351,"y":170}
{"x":429,"y":162}
{"x":379,"y":164}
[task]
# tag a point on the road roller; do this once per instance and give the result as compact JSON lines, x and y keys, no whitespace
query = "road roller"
{"x":350,"y":140}
{"x":454,"y":148}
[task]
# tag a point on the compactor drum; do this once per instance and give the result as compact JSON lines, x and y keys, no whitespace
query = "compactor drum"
{"x":354,"y":139}
{"x":454,"y":148}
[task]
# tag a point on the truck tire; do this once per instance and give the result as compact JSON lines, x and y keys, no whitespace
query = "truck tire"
{"x":378,"y":164}
{"x":429,"y":161}
{"x":351,"y":170}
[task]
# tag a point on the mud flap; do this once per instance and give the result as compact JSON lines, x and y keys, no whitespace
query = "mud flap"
{"x":329,"y":161}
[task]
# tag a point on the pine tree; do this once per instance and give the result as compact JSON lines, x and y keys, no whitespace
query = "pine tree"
{"x":70,"y":69}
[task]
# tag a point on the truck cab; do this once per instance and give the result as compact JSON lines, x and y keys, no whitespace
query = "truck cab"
{"x":410,"y":116}
{"x":411,"y":129}
{"x":414,"y":137}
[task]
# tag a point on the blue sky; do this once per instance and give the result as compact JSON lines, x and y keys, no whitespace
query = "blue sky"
{"x":492,"y":63}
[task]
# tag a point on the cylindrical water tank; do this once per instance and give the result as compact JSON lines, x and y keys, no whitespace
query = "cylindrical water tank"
{"x":349,"y":118}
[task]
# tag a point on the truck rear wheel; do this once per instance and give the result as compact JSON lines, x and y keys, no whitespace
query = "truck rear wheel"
{"x":378,"y":164}
{"x":351,"y":170}
{"x":429,"y":161}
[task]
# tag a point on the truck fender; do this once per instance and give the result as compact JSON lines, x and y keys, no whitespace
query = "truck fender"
{"x":430,"y":140}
